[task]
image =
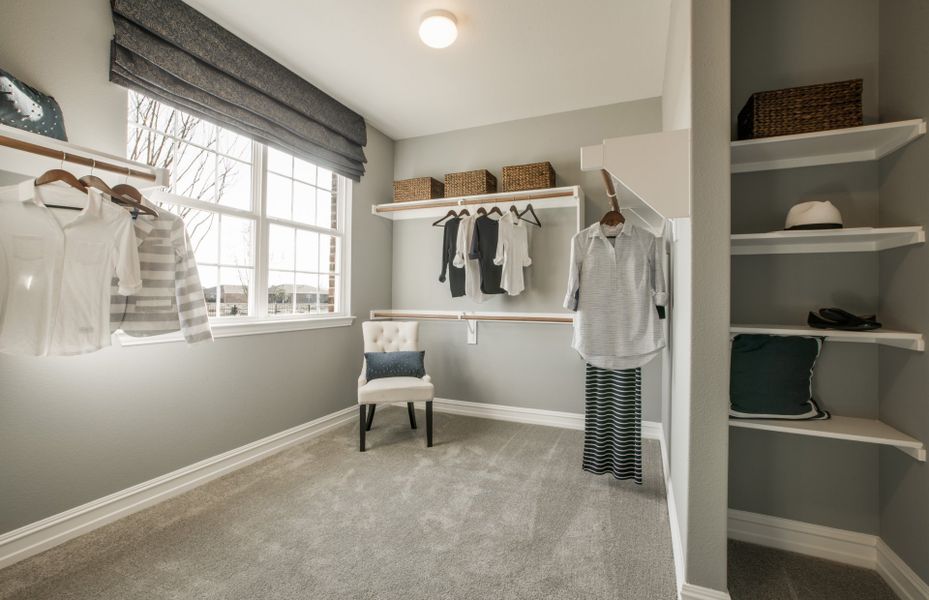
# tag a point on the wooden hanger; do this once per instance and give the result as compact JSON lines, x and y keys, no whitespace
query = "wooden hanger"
{"x":529,"y":209}
{"x":53,"y":175}
{"x":613,"y":217}
{"x":124,"y":200}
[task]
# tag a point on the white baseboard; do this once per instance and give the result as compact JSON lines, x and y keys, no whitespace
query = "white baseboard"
{"x":690,"y":591}
{"x":532,"y":416}
{"x":36,"y":537}
{"x":898,"y":575}
{"x":849,"y":547}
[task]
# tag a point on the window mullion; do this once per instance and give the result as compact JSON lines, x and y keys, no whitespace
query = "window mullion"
{"x":259,"y":195}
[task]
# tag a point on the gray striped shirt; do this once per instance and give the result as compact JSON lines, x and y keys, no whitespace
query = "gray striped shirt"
{"x":615,"y":286}
{"x":171,"y":298}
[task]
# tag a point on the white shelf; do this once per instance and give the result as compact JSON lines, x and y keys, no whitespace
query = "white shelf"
{"x":860,"y":239}
{"x":854,"y":144}
{"x":898,"y":339}
{"x":561,"y":197}
{"x":854,"y":429}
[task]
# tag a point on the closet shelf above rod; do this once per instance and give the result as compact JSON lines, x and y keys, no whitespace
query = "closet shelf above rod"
{"x":562,"y":197}
{"x":886,"y":337}
{"x":30,"y":154}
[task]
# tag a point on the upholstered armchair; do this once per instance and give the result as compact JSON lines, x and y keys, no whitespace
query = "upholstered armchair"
{"x":392,"y":336}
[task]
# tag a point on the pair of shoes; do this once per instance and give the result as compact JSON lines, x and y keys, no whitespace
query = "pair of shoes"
{"x":842,"y":320}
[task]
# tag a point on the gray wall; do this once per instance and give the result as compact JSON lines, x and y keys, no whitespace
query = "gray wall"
{"x":76,"y":429}
{"x":904,"y":179}
{"x":527,"y":365}
{"x":833,"y":483}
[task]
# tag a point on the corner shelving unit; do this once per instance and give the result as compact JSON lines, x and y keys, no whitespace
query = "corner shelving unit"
{"x":886,"y":337}
{"x":869,"y":431}
{"x":858,"y":239}
{"x":856,"y":144}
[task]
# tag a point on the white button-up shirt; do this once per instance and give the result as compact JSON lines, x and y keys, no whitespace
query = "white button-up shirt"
{"x":615,"y":286}
{"x":55,"y":268}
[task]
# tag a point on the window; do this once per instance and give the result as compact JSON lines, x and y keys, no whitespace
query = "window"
{"x":268,"y":229}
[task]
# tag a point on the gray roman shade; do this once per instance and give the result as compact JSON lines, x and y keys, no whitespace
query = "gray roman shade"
{"x":167,"y":50}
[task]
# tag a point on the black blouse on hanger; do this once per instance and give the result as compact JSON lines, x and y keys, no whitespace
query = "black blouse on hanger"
{"x":456,"y":275}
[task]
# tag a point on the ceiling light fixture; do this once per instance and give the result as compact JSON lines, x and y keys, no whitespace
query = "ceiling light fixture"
{"x":439,"y":29}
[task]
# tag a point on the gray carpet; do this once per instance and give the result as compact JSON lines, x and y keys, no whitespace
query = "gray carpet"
{"x":495,"y":510}
{"x":759,"y":573}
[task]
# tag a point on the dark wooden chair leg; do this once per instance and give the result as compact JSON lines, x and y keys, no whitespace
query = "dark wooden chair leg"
{"x":429,"y":424}
{"x":371,"y":408}
{"x":361,"y":427}
{"x":409,"y":409}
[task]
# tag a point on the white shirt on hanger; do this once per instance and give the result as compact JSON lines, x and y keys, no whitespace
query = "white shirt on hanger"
{"x":471,"y":266}
{"x":512,"y":253}
{"x":55,"y":268}
{"x":615,"y":286}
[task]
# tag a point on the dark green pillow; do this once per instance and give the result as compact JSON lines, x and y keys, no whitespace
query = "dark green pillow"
{"x":394,"y":364}
{"x":771,"y":377}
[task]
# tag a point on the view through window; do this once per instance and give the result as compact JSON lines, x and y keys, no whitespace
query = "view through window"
{"x":267,"y":228}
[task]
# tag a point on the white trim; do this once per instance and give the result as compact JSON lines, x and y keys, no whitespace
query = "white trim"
{"x":843,"y":546}
{"x":36,"y":537}
{"x":236,"y":329}
{"x":690,"y":591}
{"x":898,"y":575}
{"x":677,"y":545}
{"x":849,"y":547}
{"x":533,"y":416}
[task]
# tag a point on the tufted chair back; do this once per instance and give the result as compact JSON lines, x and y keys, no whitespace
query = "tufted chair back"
{"x":390,"y":336}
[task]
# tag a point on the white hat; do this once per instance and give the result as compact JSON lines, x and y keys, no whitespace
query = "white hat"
{"x":814,"y":215}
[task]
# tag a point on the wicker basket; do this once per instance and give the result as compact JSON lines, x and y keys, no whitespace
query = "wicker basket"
{"x":468,"y":183}
{"x":802,"y":110}
{"x":419,"y":188}
{"x":534,"y":176}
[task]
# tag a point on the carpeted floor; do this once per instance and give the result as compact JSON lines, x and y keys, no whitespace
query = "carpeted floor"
{"x":495,"y":510}
{"x":759,"y":573}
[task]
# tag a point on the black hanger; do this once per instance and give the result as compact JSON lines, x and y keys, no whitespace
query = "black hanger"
{"x":450,"y":213}
{"x":530,"y":210}
{"x":496,"y":209}
{"x":464,"y":213}
{"x":481,"y":210}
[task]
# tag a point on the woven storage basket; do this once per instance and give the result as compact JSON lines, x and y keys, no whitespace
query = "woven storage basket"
{"x":801,"y":110}
{"x":534,"y":176}
{"x":419,"y":188}
{"x":468,"y":183}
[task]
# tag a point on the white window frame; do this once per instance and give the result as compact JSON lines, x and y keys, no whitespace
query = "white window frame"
{"x":258,"y":321}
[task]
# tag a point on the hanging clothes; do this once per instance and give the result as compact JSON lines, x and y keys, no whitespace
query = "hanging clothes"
{"x":613,"y":423}
{"x":55,"y":270}
{"x":470,"y":265}
{"x":171,"y":298}
{"x":615,"y":286}
{"x":484,"y":249}
{"x":456,"y":275}
{"x":615,"y":283}
{"x":512,"y":253}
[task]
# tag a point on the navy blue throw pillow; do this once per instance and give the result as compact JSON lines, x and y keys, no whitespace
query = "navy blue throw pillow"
{"x":394,"y":364}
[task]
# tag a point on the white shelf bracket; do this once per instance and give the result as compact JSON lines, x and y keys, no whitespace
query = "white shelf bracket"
{"x":917,"y":453}
{"x":471,"y":324}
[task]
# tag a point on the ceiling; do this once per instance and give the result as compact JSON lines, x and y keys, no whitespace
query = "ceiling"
{"x":513,"y":58}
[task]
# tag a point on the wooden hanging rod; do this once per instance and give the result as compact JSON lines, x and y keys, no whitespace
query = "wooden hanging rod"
{"x":472,"y":201}
{"x":77,"y":159}
{"x":463,"y":316}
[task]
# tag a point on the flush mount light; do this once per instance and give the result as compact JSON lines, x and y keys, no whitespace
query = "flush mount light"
{"x":439,"y":29}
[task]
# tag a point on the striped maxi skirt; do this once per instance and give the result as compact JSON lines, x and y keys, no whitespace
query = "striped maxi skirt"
{"x":613,"y":423}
